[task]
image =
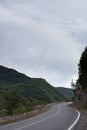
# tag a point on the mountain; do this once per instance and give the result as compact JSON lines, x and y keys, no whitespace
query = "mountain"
{"x":20,"y":93}
{"x":37,"y":88}
{"x":67,"y":92}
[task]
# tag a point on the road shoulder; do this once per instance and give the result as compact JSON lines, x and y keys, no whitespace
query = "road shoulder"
{"x":82,"y":124}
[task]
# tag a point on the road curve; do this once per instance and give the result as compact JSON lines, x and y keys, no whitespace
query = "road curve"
{"x":59,"y":117}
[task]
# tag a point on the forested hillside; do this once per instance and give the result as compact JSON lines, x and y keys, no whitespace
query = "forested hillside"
{"x":20,"y":93}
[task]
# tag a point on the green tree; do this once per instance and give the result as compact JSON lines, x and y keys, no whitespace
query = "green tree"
{"x":83,"y":69}
{"x":12,"y":99}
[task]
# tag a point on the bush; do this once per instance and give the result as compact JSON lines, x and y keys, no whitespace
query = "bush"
{"x":20,"y":109}
{"x":3,"y":112}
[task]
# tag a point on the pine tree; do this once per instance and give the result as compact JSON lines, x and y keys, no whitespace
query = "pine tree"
{"x":83,"y":69}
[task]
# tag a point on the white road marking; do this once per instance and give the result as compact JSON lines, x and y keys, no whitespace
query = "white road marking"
{"x":39,"y":120}
{"x":77,"y":119}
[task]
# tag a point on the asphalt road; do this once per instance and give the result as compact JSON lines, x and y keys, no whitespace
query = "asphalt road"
{"x":59,"y":117}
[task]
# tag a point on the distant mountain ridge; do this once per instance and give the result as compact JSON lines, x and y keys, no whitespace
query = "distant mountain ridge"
{"x":67,"y":92}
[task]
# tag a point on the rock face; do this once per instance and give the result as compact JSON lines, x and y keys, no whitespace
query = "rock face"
{"x":80,"y":95}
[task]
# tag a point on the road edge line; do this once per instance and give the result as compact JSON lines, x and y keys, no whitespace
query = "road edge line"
{"x":75,"y":122}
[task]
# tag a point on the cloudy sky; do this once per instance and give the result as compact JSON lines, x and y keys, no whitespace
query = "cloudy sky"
{"x":43,"y":38}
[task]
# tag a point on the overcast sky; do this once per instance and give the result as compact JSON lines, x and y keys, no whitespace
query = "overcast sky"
{"x":43,"y":38}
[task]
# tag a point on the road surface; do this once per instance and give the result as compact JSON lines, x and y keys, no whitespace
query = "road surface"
{"x":59,"y":117}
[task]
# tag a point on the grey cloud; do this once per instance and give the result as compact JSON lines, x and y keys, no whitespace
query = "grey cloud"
{"x":36,"y":38}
